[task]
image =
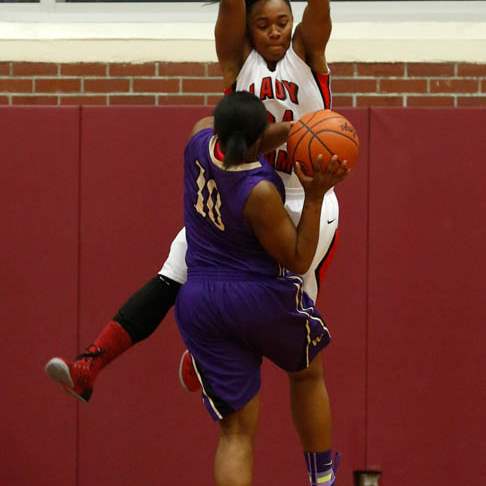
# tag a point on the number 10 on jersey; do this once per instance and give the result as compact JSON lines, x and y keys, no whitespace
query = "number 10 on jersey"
{"x":211,"y":207}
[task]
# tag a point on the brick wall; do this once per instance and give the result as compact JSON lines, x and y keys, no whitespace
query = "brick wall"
{"x":157,"y":83}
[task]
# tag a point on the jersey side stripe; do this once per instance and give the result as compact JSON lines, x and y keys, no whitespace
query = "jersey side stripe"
{"x":323,"y":81}
{"x":210,"y":400}
{"x":230,"y":90}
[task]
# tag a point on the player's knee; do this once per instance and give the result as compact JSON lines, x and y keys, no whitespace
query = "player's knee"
{"x":238,"y":432}
{"x":314,"y":372}
{"x":145,"y":309}
{"x":243,"y":422}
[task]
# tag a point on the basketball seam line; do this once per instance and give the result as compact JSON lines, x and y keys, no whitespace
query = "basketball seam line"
{"x":314,"y":137}
{"x":338,"y":133}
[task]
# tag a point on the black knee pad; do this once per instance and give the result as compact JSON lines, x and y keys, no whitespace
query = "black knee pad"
{"x":144,"y":310}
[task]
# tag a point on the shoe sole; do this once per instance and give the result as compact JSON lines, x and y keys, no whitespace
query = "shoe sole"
{"x":181,"y":378}
{"x":58,"y":371}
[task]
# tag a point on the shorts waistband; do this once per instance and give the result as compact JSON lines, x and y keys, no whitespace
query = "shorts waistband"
{"x":212,"y":274}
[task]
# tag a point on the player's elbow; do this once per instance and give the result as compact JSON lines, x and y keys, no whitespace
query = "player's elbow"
{"x":296,"y":261}
{"x":298,"y":266}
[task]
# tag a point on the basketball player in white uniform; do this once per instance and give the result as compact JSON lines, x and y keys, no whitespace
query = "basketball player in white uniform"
{"x":289,"y":73}
{"x":258,"y":53}
{"x":289,"y":88}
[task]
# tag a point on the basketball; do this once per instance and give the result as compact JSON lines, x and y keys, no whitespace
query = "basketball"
{"x":322,"y":132}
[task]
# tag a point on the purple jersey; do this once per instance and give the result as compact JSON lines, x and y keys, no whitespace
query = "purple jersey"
{"x":220,"y":241}
{"x":236,"y":306}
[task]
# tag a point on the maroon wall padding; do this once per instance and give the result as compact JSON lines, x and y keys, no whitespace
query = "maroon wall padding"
{"x":91,"y":200}
{"x":426,"y":395}
{"x":38,"y":288}
{"x":343,"y":302}
{"x":140,"y":426}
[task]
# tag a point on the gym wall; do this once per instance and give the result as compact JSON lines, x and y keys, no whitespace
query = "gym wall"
{"x":91,"y":199}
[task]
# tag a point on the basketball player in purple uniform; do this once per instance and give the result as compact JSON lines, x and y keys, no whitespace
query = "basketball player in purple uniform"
{"x":290,"y":76}
{"x":241,"y":300}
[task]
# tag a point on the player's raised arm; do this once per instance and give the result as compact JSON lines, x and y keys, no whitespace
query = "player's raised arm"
{"x":232,"y":45}
{"x":293,"y":247}
{"x":312,"y":34}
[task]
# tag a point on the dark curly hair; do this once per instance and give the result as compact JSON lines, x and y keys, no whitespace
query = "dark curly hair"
{"x":239,"y":120}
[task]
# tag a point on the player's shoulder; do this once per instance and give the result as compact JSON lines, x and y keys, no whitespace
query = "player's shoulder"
{"x":264,"y":191}
{"x":197,"y":146}
{"x":202,"y":124}
{"x":199,"y":137}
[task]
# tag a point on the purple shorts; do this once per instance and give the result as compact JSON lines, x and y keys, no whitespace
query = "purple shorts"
{"x":229,"y":325}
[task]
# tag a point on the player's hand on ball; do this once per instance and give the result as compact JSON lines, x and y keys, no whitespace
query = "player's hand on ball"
{"x":325,"y":176}
{"x":336,"y":170}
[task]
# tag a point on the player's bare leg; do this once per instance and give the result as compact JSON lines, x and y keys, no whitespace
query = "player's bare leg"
{"x":311,"y":413}
{"x":233,"y":463}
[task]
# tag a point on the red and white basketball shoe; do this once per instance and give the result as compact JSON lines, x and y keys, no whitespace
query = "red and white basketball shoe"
{"x":76,"y":377}
{"x":187,"y":373}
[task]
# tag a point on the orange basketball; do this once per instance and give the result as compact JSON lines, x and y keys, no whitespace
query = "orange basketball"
{"x":322,"y":132}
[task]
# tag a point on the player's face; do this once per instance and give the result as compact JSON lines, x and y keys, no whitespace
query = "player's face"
{"x":270,"y":28}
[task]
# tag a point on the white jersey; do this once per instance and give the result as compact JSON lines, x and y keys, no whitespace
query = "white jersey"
{"x":288,"y":92}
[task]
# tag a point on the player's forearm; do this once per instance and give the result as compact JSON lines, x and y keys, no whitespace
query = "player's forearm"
{"x":232,"y":13}
{"x":316,"y":26}
{"x":230,"y":35}
{"x":275,"y":135}
{"x":231,"y":3}
{"x":323,"y":7}
{"x":307,"y":235}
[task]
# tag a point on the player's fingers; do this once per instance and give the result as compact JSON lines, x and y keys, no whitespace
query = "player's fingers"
{"x":343,"y":170}
{"x":343,"y":166}
{"x":317,"y":163}
{"x":298,"y":169}
{"x":300,"y":173}
{"x":333,"y":164}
